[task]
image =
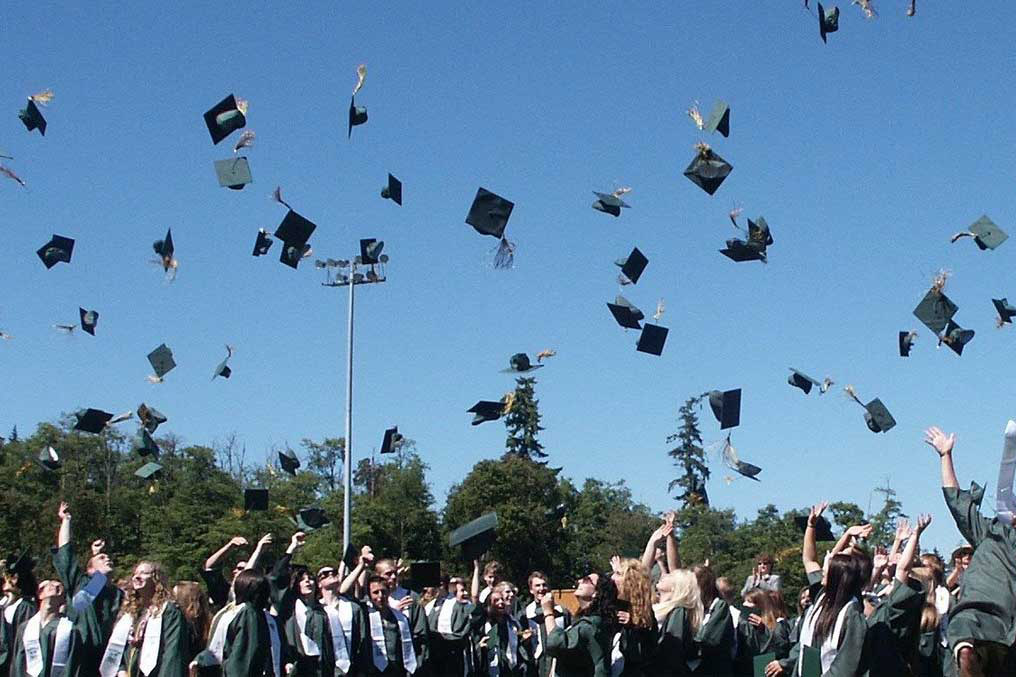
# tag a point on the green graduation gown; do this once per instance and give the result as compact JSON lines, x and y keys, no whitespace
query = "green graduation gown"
{"x":94,"y":622}
{"x":316,"y":627}
{"x":531,"y":617}
{"x":850,"y":657}
{"x":174,"y":647}
{"x":247,"y":651}
{"x":417,"y":625}
{"x":715,"y":640}
{"x":638,"y":646}
{"x":755,"y":640}
{"x":11,"y":619}
{"x":894,"y":631}
{"x":498,"y":637}
{"x":393,"y":648}
{"x":218,"y":588}
{"x":676,"y":645}
{"x":582,"y":649}
{"x":47,"y":643}
{"x":449,"y":651}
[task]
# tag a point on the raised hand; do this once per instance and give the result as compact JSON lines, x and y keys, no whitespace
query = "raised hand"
{"x":298,"y":540}
{"x":755,"y":620}
{"x":97,"y":546}
{"x":366,"y":555}
{"x":816,"y":512}
{"x":64,"y":511}
{"x":623,"y":617}
{"x":922,"y":523}
{"x":237,"y":542}
{"x":902,"y":529}
{"x":615,"y":564}
{"x":547,"y":603}
{"x":265,"y":541}
{"x":939,"y":441}
{"x":861,"y":531}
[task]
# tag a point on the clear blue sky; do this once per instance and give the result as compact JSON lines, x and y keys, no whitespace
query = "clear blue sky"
{"x":864,"y":155}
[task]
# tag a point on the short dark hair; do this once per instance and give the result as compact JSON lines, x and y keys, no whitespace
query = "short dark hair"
{"x":251,"y":586}
{"x":537,"y":574}
{"x":374,"y":578}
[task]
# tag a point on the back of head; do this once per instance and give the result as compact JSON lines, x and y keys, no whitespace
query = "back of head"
{"x":762,"y":606}
{"x":707,"y":584}
{"x":844,"y":582}
{"x":779,"y":603}
{"x":636,"y":589}
{"x":725,"y":589}
{"x":934,"y":564}
{"x":604,"y":604}
{"x":193,"y":602}
{"x":250,"y":586}
{"x":679,"y":588}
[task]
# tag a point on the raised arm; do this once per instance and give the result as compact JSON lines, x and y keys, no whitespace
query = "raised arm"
{"x":64,"y":535}
{"x":649,"y":554}
{"x":352,"y":578}
{"x":857,"y":531}
{"x":213,"y":561}
{"x":809,"y":549}
{"x":259,"y":551}
{"x":474,"y":586}
{"x":911,"y":549}
{"x":943,"y":445}
{"x":673,"y":554}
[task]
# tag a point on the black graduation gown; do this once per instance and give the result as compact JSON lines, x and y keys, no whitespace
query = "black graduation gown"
{"x":9,"y":631}
{"x":418,"y":626}
{"x":715,"y":641}
{"x":676,"y":645}
{"x":894,"y":631}
{"x":316,"y":626}
{"x":582,"y":649}
{"x":639,"y":646}
{"x":247,"y":651}
{"x":449,"y":652}
{"x":174,"y":647}
{"x":47,"y":644}
{"x":393,"y":647}
{"x":359,"y":635}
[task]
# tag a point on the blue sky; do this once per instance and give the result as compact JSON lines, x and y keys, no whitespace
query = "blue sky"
{"x":864,"y":156}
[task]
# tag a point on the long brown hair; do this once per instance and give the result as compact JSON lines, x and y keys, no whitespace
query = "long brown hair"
{"x":193,"y":603}
{"x":132,"y":602}
{"x":707,"y":585}
{"x":844,"y":581}
{"x":763,"y":607}
{"x":636,"y":589}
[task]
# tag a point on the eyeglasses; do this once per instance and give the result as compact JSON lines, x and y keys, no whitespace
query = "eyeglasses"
{"x":325,"y":573}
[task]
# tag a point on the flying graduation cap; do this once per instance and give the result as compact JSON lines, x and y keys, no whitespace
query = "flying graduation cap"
{"x":626,"y":314}
{"x":92,"y":420}
{"x":223,"y":369}
{"x":754,"y":248}
{"x":357,"y":114}
{"x":226,"y":117}
{"x":956,"y":337}
{"x":370,"y":251}
{"x":233,"y":173}
{"x":906,"y":342}
{"x":1004,"y":310}
{"x":487,"y":410}
{"x":805,"y":382}
{"x":707,"y":169}
{"x":165,"y":249}
{"x":985,"y":233}
{"x":58,"y":249}
{"x":263,"y":243}
{"x":149,"y":471}
{"x":31,"y":116}
{"x":294,"y":232}
{"x":489,"y":215}
{"x":475,"y":537}
{"x":936,"y":309}
{"x":145,"y":444}
{"x":611,"y":203}
{"x":162,"y":362}
{"x":288,"y":461}
{"x":651,"y":339}
{"x":828,"y":20}
{"x":150,"y":417}
{"x":823,"y":529}
{"x":719,"y":119}
{"x":89,"y":320}
{"x":391,"y":441}
{"x":726,"y":407}
{"x":876,"y":415}
{"x":393,"y":191}
{"x":311,"y":519}
{"x":735,"y":463}
{"x":633,"y":266}
{"x":49,"y":459}
{"x":519,"y":364}
{"x":255,"y":498}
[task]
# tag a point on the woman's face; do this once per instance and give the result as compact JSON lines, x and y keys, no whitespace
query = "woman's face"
{"x":585,"y":587}
{"x":306,"y":585}
{"x":664,"y":587}
{"x":497,"y":602}
{"x":765,"y":568}
{"x":143,"y":579}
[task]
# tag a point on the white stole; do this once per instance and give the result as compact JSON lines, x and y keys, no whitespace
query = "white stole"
{"x":513,"y":647}
{"x":152,"y":641}
{"x":830,"y":647}
{"x":377,"y":636}
{"x":10,"y":609}
{"x":273,"y":634}
{"x":33,"y":648}
{"x":339,"y":633}
{"x":444,"y":616}
{"x":539,"y":629}
{"x":220,"y":626}
{"x":616,"y":656}
{"x":86,"y":595}
{"x":114,"y":648}
{"x":310,"y":647}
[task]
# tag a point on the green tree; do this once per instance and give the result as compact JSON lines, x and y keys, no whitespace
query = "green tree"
{"x":883,"y":523}
{"x":689,"y":457}
{"x":326,"y":459}
{"x":523,"y":422}
{"x":846,"y":514}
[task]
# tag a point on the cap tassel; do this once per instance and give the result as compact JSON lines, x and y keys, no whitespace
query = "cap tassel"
{"x":544,"y":354}
{"x":246,"y":140}
{"x":11,"y":175}
{"x":43,"y":97}
{"x":660,"y":309}
{"x":865,"y":5}
{"x":703,"y":149}
{"x":938,"y":282}
{"x":912,"y":8}
{"x":696,"y":116}
{"x":361,"y":75}
{"x":852,"y":394}
{"x":509,"y":402}
{"x":965,"y":233}
{"x":152,"y":378}
{"x":242,"y":105}
{"x":277,"y":196}
{"x":826,"y":384}
{"x":505,"y":256}
{"x":733,"y":214}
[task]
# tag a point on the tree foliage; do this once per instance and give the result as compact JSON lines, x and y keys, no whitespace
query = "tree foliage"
{"x":523,"y":422}
{"x":689,"y":457}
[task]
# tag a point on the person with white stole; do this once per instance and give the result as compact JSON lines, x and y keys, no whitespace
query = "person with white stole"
{"x":390,"y":641}
{"x":93,"y":600}
{"x":252,"y":644}
{"x":583,"y":649}
{"x":498,"y":642}
{"x":406,"y":601}
{"x":448,"y":625}
{"x":151,"y":637}
{"x":46,"y":643}
{"x":346,"y":618}
{"x":303,"y":621}
{"x":19,"y":589}
{"x":531,"y":618}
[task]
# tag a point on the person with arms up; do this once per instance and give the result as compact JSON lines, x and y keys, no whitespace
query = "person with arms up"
{"x":347,"y":620}
{"x":583,"y":648}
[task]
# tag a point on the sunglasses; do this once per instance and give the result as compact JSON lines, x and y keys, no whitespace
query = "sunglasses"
{"x":325,"y":573}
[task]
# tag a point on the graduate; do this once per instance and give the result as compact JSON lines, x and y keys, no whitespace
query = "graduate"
{"x":252,"y":643}
{"x":498,"y":644}
{"x":448,"y":626}
{"x":759,"y":632}
{"x":93,"y":600}
{"x":583,"y":648}
{"x":19,"y":589}
{"x":493,"y":573}
{"x":980,"y":630}
{"x":532,"y":619}
{"x":151,"y":636}
{"x":219,"y":590}
{"x":679,"y":615}
{"x":715,"y":637}
{"x":347,"y":621}
{"x":193,"y":602}
{"x":45,"y":644}
{"x":406,"y":601}
{"x":635,"y":645}
{"x":392,"y":650}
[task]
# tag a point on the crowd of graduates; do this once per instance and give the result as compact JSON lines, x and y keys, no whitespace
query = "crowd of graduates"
{"x":888,"y":611}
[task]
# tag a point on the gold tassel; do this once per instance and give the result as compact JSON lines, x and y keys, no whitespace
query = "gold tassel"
{"x":242,"y":105}
{"x":696,"y":116}
{"x":43,"y":97}
{"x":703,"y":148}
{"x":938,"y":282}
{"x":509,"y":402}
{"x":544,"y":354}
{"x":852,"y":394}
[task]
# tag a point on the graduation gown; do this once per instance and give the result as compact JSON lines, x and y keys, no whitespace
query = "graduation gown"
{"x":582,"y":649}
{"x":638,"y":646}
{"x":358,"y":637}
{"x":218,"y":588}
{"x":894,"y":631}
{"x":531,"y":617}
{"x":850,"y":659}
{"x":393,"y":646}
{"x":47,"y":642}
{"x":676,"y":645}
{"x":93,"y":621}
{"x":12,"y":617}
{"x":715,"y":641}
{"x":755,"y":640}
{"x":929,"y":655}
{"x":417,"y":624}
{"x":174,"y":647}
{"x":499,"y":645}
{"x":450,"y":653}
{"x":987,"y":599}
{"x":247,"y":651}
{"x":316,"y":628}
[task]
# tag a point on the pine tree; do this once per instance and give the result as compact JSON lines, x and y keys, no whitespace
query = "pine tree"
{"x":883,"y":522}
{"x":14,"y":434}
{"x":690,"y":457}
{"x":523,"y":422}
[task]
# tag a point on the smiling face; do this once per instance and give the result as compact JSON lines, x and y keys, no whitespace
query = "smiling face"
{"x":100,"y":563}
{"x":328,"y":578}
{"x":585,"y":588}
{"x":379,"y":594}
{"x":143,"y":578}
{"x":538,"y":587}
{"x":497,"y":603}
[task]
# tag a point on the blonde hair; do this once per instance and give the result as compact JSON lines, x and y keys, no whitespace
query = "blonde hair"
{"x":636,"y":589}
{"x":132,"y":602}
{"x":680,"y":589}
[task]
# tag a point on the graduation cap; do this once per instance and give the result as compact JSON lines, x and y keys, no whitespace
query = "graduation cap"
{"x":633,"y":266}
{"x":610,"y":203}
{"x":489,"y":215}
{"x":754,"y":248}
{"x":292,"y":254}
{"x":59,"y":248}
{"x":726,"y":407}
{"x":805,"y":382}
{"x":357,"y":116}
{"x":32,"y":117}
{"x":906,"y":342}
{"x":486,"y":410}
{"x":935,"y":310}
{"x":150,"y":417}
{"x":165,"y":249}
{"x":288,"y":461}
{"x":233,"y":172}
{"x":149,"y":471}
{"x":225,"y":118}
{"x":626,"y":315}
{"x":823,"y":530}
{"x":161,"y":360}
{"x":223,"y":369}
{"x":263,"y":243}
{"x":985,"y":233}
{"x":92,"y":420}
{"x":828,"y":20}
{"x":731,"y":459}
{"x":520,"y":363}
{"x":311,"y":519}
{"x":393,"y":191}
{"x":876,"y":415}
{"x":1004,"y":310}
{"x":476,"y":537}
{"x":708,"y":170}
{"x":391,"y":440}
{"x":719,"y":119}
{"x":89,"y":319}
{"x":22,"y":563}
{"x":49,"y":459}
{"x":145,"y":444}
{"x":956,"y":337}
{"x":294,"y":231}
{"x":652,"y":339}
{"x":255,"y":498}
{"x":370,"y":251}
{"x":425,"y":575}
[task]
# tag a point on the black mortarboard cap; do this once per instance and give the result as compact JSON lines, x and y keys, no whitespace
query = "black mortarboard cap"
{"x":148,"y":471}
{"x":748,"y":470}
{"x":22,"y":563}
{"x":164,"y":247}
{"x":425,"y":575}
{"x":49,"y":459}
{"x":708,"y":170}
{"x":145,"y":444}
{"x":726,"y":407}
{"x":370,"y":251}
{"x":89,"y":319}
{"x":161,"y":360}
{"x":823,"y":530}
{"x":719,"y":119}
{"x":357,"y":115}
{"x":987,"y":235}
{"x":288,"y":461}
{"x":652,"y":339}
{"x":92,"y":420}
{"x":489,"y":213}
{"x":255,"y":498}
{"x":349,"y":557}
{"x":294,"y":230}
{"x":520,"y":363}
{"x":233,"y":172}
{"x":608,"y":203}
{"x":1005,"y":311}
{"x":906,"y":342}
{"x":292,"y":254}
{"x":311,"y":519}
{"x":224,"y":119}
{"x":634,"y":265}
{"x":263,"y":243}
{"x":58,"y":249}
{"x":32,"y":117}
{"x":486,"y":410}
{"x":476,"y":537}
{"x":956,"y":337}
{"x":828,"y":20}
{"x":393,"y":191}
{"x":222,"y":369}
{"x":391,"y":440}
{"x":739,"y":251}
{"x":877,"y":417}
{"x":150,"y":417}
{"x":802,"y":381}
{"x":935,"y":310}
{"x":626,"y":315}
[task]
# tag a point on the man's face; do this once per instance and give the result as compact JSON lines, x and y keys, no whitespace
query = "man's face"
{"x":379,"y":594}
{"x":100,"y":564}
{"x":489,"y":579}
{"x":10,"y":583}
{"x":143,"y":579}
{"x":538,"y":587}
{"x":461,"y":593}
{"x":328,"y":578}
{"x":51,"y":590}
{"x":388,"y":572}
{"x":453,"y":586}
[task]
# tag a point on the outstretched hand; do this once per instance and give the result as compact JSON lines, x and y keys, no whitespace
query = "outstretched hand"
{"x":860,"y":531}
{"x":922,"y":523}
{"x":615,"y":564}
{"x":98,"y":545}
{"x":939,"y":441}
{"x":237,"y":542}
{"x":64,"y":511}
{"x":816,"y":512}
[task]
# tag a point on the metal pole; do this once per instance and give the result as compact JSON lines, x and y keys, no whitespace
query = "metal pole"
{"x":347,"y":481}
